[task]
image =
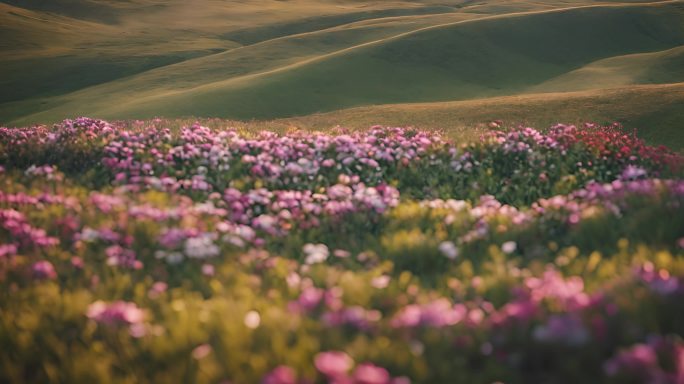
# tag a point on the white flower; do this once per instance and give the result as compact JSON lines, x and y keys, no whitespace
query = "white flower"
{"x":234,"y":240}
{"x":315,"y":253}
{"x":174,"y":258}
{"x":457,"y":205}
{"x":293,"y":280}
{"x":201,"y":247}
{"x":380,"y":282}
{"x":252,"y":319}
{"x":509,"y":247}
{"x":449,"y":249}
{"x":89,"y":234}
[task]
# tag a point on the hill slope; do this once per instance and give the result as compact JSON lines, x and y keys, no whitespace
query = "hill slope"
{"x":484,"y":57}
{"x":54,"y":48}
{"x":641,"y":68}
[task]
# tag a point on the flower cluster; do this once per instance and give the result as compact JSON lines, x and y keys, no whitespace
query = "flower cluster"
{"x":21,"y":234}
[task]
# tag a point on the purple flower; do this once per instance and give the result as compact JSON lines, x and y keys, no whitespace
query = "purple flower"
{"x":43,"y":270}
{"x":119,"y":256}
{"x":632,"y":172}
{"x":566,"y":329}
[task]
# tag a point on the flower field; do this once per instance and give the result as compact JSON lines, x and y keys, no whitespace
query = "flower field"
{"x":134,"y":252}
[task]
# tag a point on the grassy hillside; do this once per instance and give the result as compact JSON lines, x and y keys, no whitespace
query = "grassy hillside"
{"x":464,"y":59}
{"x":57,"y":47}
{"x":472,"y":59}
{"x":45,"y":54}
{"x":640,"y":68}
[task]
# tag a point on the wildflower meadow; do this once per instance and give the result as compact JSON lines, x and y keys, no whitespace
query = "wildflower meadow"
{"x":144,"y":252}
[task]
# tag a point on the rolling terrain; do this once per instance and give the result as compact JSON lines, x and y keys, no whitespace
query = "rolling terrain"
{"x":287,"y":60}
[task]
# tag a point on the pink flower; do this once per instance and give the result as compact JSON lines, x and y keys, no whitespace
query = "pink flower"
{"x":280,"y":375}
{"x":367,"y":373}
{"x":380,"y":282}
{"x":11,"y":249}
{"x":310,"y":298}
{"x":77,"y":262}
{"x":438,"y":313}
{"x":157,"y":289}
{"x":119,"y":256}
{"x":201,"y":351}
{"x":208,"y":270}
{"x":333,"y":363}
{"x":118,"y":312}
{"x":639,"y":360}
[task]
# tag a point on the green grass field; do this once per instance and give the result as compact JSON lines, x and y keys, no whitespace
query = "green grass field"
{"x":309,"y":62}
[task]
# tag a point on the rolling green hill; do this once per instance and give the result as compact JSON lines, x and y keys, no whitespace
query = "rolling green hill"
{"x":640,"y":68}
{"x":471,"y":57}
{"x":57,"y":47}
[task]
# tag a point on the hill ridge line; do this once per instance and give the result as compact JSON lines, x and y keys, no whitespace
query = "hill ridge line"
{"x":304,"y":62}
{"x":477,"y":17}
{"x":156,"y":94}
